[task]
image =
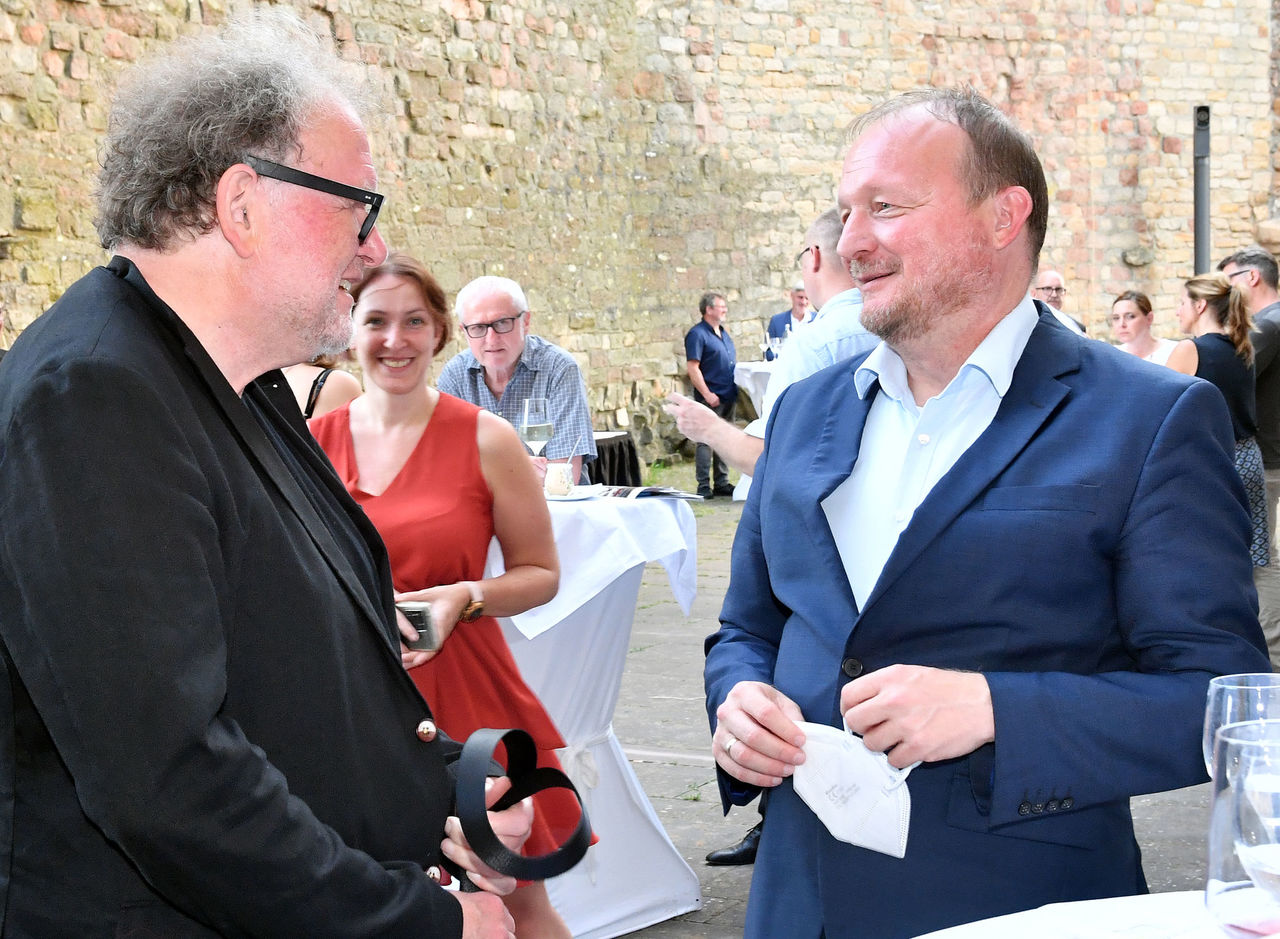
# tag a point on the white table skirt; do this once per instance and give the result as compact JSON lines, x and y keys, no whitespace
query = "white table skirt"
{"x":1150,"y":916}
{"x":634,"y":877}
{"x":753,"y":378}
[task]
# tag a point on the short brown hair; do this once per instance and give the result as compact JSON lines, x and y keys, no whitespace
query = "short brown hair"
{"x":1000,"y":155}
{"x":411,"y":269}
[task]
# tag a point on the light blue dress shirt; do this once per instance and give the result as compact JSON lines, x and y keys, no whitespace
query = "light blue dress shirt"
{"x":907,"y":448}
{"x":835,"y":334}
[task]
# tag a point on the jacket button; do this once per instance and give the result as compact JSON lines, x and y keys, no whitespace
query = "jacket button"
{"x":1024,"y":808}
{"x":1052,"y":805}
{"x":1037,"y":808}
{"x":1067,"y":803}
{"x":427,"y":731}
{"x":433,"y":873}
{"x":851,"y":667}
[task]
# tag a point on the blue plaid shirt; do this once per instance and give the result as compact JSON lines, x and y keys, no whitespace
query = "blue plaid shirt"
{"x":544,"y":371}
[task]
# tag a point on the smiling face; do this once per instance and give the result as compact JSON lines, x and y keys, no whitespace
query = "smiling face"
{"x":799,"y":303}
{"x":1128,"y":322}
{"x":395,"y":335}
{"x":312,"y":245}
{"x":915,"y":246}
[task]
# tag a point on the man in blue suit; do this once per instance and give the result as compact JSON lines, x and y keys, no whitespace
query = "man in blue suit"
{"x":781,"y":324}
{"x":989,"y":546}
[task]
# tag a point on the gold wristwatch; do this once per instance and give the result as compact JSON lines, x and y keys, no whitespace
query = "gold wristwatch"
{"x":475,"y":608}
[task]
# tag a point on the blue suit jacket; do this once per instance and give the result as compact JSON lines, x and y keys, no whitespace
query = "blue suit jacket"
{"x":1088,"y":553}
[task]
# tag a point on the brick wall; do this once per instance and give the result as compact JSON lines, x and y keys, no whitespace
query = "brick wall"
{"x":618,"y":158}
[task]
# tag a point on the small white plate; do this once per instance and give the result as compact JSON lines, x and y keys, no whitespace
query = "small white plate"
{"x":577,"y":495}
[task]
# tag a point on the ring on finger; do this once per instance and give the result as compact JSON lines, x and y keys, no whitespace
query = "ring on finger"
{"x":728,"y":747}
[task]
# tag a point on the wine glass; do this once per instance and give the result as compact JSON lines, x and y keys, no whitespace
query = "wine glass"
{"x":536,"y":427}
{"x":775,"y":345}
{"x":1234,"y":698}
{"x":1242,"y":891}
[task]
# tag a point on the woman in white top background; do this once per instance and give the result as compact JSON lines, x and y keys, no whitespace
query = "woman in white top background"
{"x":1131,"y":320}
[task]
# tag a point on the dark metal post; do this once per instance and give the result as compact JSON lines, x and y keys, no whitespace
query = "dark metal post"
{"x":1201,"y":159}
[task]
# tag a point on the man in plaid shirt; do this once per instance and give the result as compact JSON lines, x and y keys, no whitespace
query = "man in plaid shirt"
{"x":505,"y":366}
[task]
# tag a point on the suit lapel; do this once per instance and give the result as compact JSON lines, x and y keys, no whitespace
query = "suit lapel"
{"x":259,"y":448}
{"x":1034,"y":394}
{"x":263,"y":453}
{"x":834,"y":449}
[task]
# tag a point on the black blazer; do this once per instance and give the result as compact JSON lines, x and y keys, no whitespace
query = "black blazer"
{"x":204,"y":722}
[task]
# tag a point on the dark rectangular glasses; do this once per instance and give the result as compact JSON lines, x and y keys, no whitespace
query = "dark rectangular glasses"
{"x":504,"y":325}
{"x":288,"y":174}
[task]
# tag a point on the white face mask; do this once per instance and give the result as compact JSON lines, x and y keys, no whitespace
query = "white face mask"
{"x":859,"y":797}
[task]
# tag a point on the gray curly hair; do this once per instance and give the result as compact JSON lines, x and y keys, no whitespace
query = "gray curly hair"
{"x":209,"y":101}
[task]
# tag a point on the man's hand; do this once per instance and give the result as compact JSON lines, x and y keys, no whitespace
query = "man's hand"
{"x":756,"y":738}
{"x":485,"y":917}
{"x":512,"y":827}
{"x":696,"y":421}
{"x":917,"y":713}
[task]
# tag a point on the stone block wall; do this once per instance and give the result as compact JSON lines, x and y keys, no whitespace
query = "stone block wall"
{"x":619,"y":158}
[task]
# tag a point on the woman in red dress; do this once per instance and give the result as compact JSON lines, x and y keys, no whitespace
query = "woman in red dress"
{"x":439,"y":478}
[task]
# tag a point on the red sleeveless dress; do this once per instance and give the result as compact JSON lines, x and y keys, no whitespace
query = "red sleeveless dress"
{"x":436,"y":518}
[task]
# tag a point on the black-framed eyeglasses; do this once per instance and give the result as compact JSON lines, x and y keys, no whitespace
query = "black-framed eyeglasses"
{"x":288,"y":174}
{"x":1056,"y":291}
{"x":1243,"y":270}
{"x":803,"y":253}
{"x":504,"y":325}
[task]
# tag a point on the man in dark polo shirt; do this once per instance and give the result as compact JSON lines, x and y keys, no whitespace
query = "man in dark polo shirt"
{"x":710,"y":358}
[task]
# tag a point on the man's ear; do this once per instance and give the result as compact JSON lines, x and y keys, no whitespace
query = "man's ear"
{"x":814,"y":261}
{"x":239,"y":203}
{"x":1012,"y":209}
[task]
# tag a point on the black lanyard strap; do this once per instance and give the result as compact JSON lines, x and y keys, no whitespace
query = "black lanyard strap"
{"x":527,"y":778}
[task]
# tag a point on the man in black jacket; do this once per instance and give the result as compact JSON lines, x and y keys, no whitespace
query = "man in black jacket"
{"x":205,"y":726}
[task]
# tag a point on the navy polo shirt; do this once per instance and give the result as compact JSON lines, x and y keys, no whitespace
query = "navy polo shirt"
{"x":716,"y":357}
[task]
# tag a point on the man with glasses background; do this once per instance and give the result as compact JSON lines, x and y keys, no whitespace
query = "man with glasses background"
{"x":1253,"y":270}
{"x":1050,"y":290}
{"x":505,"y":365}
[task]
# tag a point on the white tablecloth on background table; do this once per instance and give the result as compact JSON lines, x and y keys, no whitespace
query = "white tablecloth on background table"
{"x":1150,"y":916}
{"x":571,"y":652}
{"x":599,"y":539}
{"x":753,"y":378}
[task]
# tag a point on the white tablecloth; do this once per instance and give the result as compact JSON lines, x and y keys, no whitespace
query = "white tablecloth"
{"x":1150,"y":916}
{"x":572,"y":652}
{"x":753,"y":378}
{"x":598,"y":539}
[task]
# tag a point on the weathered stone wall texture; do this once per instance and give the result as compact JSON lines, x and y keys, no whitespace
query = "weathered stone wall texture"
{"x":619,"y":157}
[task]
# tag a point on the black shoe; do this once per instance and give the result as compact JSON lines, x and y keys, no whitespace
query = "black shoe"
{"x":725,"y":490}
{"x":744,"y":852}
{"x":704,"y":491}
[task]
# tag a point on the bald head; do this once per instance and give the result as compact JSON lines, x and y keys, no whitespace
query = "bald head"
{"x":1049,"y":287}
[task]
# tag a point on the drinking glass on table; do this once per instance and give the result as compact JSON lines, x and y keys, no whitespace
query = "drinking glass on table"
{"x":1234,"y":698}
{"x":1242,"y":891}
{"x":536,"y":427}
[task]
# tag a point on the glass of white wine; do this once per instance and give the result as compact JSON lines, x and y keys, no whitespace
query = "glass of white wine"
{"x":1242,"y":892}
{"x":536,"y":426}
{"x":1235,"y":698}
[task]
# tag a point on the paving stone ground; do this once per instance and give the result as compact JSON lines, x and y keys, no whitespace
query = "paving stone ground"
{"x":662,"y":725}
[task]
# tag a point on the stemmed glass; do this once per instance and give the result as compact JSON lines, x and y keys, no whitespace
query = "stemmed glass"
{"x":1234,"y":698}
{"x":1242,"y":892}
{"x":536,"y":427}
